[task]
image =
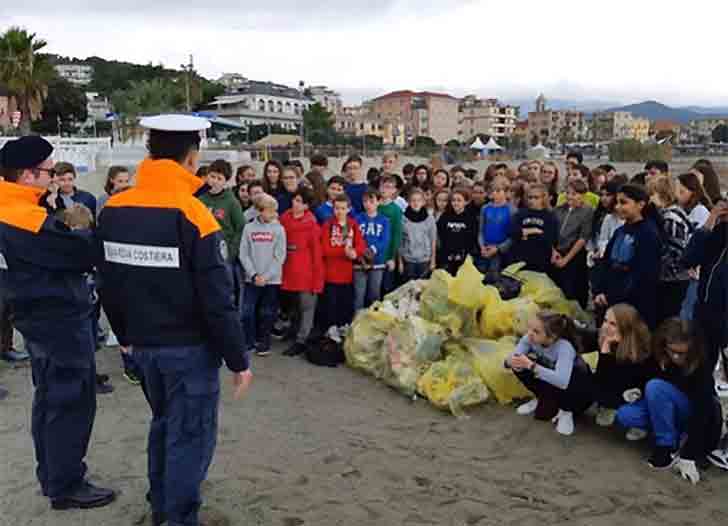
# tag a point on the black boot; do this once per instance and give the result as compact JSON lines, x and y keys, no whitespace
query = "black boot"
{"x":85,"y":497}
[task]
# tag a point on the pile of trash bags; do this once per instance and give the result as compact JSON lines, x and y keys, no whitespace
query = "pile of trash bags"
{"x":446,"y":338}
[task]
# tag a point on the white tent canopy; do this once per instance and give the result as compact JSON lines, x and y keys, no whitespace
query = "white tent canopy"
{"x":477,"y":144}
{"x":538,"y":152}
{"x":492,"y":145}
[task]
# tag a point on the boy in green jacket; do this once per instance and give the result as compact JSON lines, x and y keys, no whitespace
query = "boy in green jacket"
{"x":228,"y":212}
{"x":391,"y":210}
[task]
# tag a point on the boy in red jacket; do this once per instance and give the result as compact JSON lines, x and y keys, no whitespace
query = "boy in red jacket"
{"x":342,"y":244}
{"x":303,"y":271}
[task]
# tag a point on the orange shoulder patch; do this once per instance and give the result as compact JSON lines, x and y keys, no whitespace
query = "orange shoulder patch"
{"x":23,"y":216}
{"x":192,"y":208}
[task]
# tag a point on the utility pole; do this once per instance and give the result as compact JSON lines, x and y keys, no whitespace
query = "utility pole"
{"x":301,"y":85}
{"x":188,"y":68}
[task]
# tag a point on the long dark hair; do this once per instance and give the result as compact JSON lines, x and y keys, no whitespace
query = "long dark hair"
{"x":611,"y":188}
{"x":675,"y":330}
{"x":428,"y":178}
{"x":560,"y":327}
{"x":639,"y":194}
{"x":319,"y":187}
{"x":711,"y":183}
{"x":692,"y":183}
{"x":111,"y":175}
{"x":267,"y":186}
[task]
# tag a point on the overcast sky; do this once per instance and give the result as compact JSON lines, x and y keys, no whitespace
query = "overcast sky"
{"x":613,"y":50}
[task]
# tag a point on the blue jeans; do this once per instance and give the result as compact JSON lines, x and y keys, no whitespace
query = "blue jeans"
{"x":413,"y":270}
{"x":367,"y":287}
{"x":265,"y":301}
{"x":485,"y":265}
{"x":688,"y":304}
{"x":183,"y":389}
{"x":664,"y":410}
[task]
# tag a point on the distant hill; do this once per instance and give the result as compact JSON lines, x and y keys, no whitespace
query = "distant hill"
{"x":655,"y":111}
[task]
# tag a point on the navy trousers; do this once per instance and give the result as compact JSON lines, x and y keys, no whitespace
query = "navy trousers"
{"x":64,"y":406}
{"x":182,"y":385}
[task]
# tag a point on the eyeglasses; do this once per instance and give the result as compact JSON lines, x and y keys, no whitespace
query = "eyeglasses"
{"x":50,"y":171}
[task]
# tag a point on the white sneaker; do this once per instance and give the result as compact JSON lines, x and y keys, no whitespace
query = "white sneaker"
{"x":635,"y":434}
{"x":606,"y":416}
{"x":333,"y":334}
{"x":528,"y":408}
{"x":721,"y":389}
{"x":719,"y":458}
{"x":565,"y":423}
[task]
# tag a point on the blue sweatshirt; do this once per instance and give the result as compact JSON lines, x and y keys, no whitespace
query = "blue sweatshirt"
{"x":324,"y":212}
{"x":356,"y":195}
{"x":495,"y":224}
{"x":631,"y":269}
{"x":377,"y":232}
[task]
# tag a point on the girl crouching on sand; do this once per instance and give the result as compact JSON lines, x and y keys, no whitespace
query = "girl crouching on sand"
{"x":624,"y":366}
{"x":546,"y":363}
{"x":679,"y":400}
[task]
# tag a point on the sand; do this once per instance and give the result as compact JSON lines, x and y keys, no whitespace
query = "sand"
{"x":319,"y":446}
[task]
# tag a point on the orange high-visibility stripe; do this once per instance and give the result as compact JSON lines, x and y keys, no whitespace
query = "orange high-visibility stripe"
{"x":19,"y":207}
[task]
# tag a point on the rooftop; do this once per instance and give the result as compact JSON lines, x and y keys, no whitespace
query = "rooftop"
{"x":255,"y":87}
{"x":409,"y":93}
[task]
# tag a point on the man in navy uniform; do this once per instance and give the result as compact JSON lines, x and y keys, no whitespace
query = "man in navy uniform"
{"x":169,"y":298}
{"x":42,"y":277}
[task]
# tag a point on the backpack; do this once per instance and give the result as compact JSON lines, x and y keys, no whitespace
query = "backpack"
{"x":325,"y":352}
{"x":508,"y":286}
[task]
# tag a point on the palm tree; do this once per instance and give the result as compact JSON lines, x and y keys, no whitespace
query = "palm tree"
{"x":25,"y":72}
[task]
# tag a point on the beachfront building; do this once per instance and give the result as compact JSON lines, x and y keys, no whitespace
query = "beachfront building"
{"x":231,"y":81}
{"x":328,"y":98}
{"x":486,"y":116}
{"x":359,"y":121}
{"x":554,"y":127}
{"x":428,"y":114}
{"x":618,"y":125}
{"x":97,"y":106}
{"x":701,"y":130}
{"x":253,"y":102}
{"x":76,"y":74}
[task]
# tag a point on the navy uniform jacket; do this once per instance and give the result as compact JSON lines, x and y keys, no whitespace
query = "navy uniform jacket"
{"x":163,"y":266}
{"x":42,"y":274}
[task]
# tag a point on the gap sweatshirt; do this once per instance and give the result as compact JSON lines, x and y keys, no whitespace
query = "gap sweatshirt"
{"x":376,"y":232}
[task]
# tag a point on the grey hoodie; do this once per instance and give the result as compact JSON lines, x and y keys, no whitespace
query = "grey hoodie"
{"x":417,"y":239}
{"x":263,"y":251}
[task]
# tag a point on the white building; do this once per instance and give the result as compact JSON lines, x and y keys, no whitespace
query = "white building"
{"x":328,"y":98}
{"x":232,"y":81}
{"x":486,"y":116}
{"x":76,"y":74}
{"x":97,"y":106}
{"x":254,"y":103}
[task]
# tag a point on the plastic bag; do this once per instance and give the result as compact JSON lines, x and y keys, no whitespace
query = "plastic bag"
{"x":405,"y":301}
{"x":453,"y":384}
{"x":364,"y":344}
{"x":488,"y":357}
{"x":506,"y":318}
{"x":411,"y":345}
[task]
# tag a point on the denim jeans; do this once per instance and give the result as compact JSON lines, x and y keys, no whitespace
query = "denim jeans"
{"x":664,"y":410}
{"x":367,"y":287}
{"x":263,"y":300}
{"x":485,"y":265}
{"x":688,"y":304}
{"x":413,"y":270}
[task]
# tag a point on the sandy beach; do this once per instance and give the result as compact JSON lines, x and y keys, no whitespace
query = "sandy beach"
{"x":319,"y":446}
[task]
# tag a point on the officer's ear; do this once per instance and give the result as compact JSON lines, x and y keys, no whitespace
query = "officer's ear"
{"x":191,"y":160}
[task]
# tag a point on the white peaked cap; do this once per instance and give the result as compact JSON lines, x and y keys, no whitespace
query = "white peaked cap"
{"x":175,"y":123}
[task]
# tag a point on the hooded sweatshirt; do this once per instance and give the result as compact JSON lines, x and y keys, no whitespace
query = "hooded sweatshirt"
{"x":263,"y":251}
{"x":419,"y":232}
{"x":376,"y":232}
{"x":339,"y":269}
{"x":631,"y":269}
{"x":458,"y":235}
{"x":393,"y":212}
{"x":229,"y":215}
{"x":303,"y":270}
{"x":355,"y":191}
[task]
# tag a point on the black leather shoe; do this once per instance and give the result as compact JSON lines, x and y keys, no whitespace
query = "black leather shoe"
{"x":104,"y":389}
{"x":295,"y":350}
{"x":85,"y":497}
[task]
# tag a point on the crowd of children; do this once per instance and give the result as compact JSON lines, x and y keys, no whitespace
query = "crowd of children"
{"x":648,"y":254}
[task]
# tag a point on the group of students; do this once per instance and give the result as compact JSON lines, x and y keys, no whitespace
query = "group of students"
{"x":307,"y":251}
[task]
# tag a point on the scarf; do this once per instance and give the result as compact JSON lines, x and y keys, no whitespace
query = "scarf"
{"x":416,"y":217}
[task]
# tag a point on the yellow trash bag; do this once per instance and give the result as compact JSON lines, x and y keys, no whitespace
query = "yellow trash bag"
{"x":488,"y":357}
{"x":467,"y":288}
{"x":506,"y":318}
{"x":411,"y":345}
{"x":541,"y":289}
{"x":364,"y":345}
{"x":453,"y":384}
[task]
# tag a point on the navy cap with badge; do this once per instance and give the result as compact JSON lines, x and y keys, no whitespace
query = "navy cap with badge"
{"x":26,"y":152}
